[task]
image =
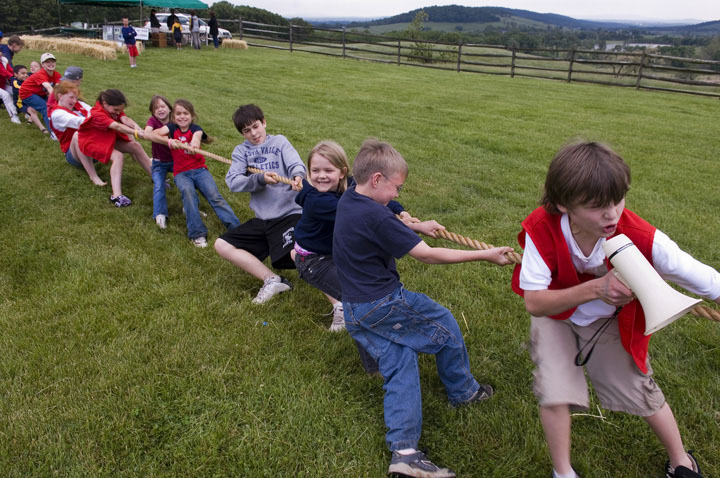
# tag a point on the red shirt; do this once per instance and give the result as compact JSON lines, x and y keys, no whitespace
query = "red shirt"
{"x":33,"y":85}
{"x":546,"y":233}
{"x":184,"y":160}
{"x":95,"y":137}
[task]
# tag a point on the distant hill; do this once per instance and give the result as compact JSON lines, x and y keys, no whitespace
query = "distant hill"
{"x":492,"y":15}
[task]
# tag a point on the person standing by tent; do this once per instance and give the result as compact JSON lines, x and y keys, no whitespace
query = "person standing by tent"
{"x":195,"y":30}
{"x":213,"y":24}
{"x":154,"y":22}
{"x":172,"y":19}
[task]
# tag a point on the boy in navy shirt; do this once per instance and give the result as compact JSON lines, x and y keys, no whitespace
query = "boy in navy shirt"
{"x":390,"y":322}
{"x":129,"y":35}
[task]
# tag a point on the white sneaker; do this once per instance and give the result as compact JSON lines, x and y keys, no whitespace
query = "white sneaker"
{"x":199,"y":242}
{"x":52,"y":136}
{"x":15,"y":119}
{"x":161,"y":221}
{"x":338,"y":323}
{"x":272,"y":287}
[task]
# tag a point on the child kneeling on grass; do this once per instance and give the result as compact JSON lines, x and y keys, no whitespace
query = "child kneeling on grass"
{"x":573,"y":302}
{"x":270,"y":232}
{"x":393,"y":324}
{"x":191,"y":173}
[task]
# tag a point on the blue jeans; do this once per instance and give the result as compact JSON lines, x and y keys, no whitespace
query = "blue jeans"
{"x":40,"y":105}
{"x":160,"y":170}
{"x":394,"y":329}
{"x":215,"y":41}
{"x":201,"y":179}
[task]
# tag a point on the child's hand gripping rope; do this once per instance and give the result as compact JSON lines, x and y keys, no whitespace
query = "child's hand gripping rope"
{"x":513,"y":257}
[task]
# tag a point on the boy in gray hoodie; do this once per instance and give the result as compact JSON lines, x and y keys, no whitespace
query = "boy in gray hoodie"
{"x":271,"y":231}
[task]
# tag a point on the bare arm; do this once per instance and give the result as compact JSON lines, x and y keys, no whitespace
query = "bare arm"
{"x":441,"y":255}
{"x":128,"y":121}
{"x":607,"y":288}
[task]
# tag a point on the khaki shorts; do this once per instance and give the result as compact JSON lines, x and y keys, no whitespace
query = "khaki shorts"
{"x":619,"y":384}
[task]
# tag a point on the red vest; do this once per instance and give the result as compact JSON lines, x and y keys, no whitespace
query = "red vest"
{"x":546,"y":233}
{"x":65,"y":137}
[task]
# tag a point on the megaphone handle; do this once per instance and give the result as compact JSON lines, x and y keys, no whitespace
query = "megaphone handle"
{"x":619,"y":277}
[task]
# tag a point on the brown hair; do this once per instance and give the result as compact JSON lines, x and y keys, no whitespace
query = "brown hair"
{"x":15,"y":40}
{"x":585,"y":173}
{"x":334,"y":153}
{"x":154,"y":101}
{"x":112,"y":97}
{"x":191,"y":109}
{"x":377,"y":157}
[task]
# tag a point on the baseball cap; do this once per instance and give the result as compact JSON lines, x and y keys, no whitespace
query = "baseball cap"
{"x":73,"y":73}
{"x":47,"y":56}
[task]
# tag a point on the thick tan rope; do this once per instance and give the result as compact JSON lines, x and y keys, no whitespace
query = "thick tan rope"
{"x":514,"y":257}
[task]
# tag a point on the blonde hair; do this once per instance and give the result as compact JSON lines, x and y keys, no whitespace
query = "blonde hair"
{"x":334,"y":153}
{"x":377,"y":157}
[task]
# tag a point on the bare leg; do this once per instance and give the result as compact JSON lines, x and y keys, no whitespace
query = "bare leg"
{"x":86,"y":161}
{"x":116,"y":172}
{"x":556,"y":424}
{"x":665,"y":427}
{"x":136,"y":150}
{"x":243,"y":259}
{"x":35,"y":118}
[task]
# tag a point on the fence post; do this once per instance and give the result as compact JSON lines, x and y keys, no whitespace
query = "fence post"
{"x":570,"y":67}
{"x":398,"y":52}
{"x":512,"y":64}
{"x":290,"y":37}
{"x":343,"y":38}
{"x":640,"y":70}
{"x":459,"y":55}
{"x":240,"y":23}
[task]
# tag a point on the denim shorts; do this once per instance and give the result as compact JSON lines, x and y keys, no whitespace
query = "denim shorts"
{"x":71,"y":160}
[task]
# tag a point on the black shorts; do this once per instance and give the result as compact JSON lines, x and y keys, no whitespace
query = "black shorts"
{"x":261,"y":238}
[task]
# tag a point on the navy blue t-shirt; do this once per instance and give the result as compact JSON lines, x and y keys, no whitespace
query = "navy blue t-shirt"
{"x":314,"y":230}
{"x":366,"y":241}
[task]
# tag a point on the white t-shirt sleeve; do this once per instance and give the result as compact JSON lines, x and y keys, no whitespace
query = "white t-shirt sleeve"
{"x":534,"y":273}
{"x":63,"y":120}
{"x":676,"y":265}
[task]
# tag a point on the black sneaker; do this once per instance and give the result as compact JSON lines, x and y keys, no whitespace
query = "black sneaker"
{"x":417,"y":465}
{"x":483,"y":393}
{"x":682,"y":471}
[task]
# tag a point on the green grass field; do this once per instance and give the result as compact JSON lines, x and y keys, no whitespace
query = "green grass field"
{"x":127,"y":352}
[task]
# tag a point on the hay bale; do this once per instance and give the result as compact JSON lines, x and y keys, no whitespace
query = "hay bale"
{"x":79,"y":46}
{"x":241,"y":44}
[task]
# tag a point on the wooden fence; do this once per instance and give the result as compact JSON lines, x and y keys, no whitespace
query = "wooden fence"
{"x":640,"y":70}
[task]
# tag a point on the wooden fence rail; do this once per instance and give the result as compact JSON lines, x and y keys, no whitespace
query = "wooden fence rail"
{"x":639,"y":70}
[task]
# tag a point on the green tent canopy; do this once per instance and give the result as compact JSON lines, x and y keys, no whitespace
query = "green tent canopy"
{"x":183,"y":4}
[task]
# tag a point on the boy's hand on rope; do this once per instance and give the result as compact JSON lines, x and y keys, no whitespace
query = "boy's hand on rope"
{"x":271,"y":178}
{"x":407,"y":218}
{"x":429,"y":228}
{"x":297,"y":183}
{"x":499,"y":255}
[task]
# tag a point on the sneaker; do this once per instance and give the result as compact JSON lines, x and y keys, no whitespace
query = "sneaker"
{"x":120,"y":201}
{"x":682,"y":471}
{"x":161,"y":221}
{"x":200,"y":241}
{"x":338,"y":323}
{"x":271,"y":287}
{"x":15,"y":119}
{"x":484,"y":392}
{"x":417,"y":465}
{"x":52,"y":136}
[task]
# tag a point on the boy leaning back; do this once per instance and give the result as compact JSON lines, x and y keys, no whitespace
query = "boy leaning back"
{"x":271,"y":231}
{"x":576,"y":305}
{"x":393,"y":324}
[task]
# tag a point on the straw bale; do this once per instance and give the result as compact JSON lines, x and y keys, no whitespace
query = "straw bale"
{"x":241,"y":44}
{"x":79,"y":46}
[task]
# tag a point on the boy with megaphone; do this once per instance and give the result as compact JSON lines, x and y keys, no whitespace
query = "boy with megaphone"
{"x":577,"y":308}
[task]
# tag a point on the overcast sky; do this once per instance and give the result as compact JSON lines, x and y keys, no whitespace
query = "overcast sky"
{"x":702,"y":10}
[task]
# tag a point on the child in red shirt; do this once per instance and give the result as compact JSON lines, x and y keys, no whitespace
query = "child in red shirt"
{"x":104,"y":137}
{"x":35,"y":90}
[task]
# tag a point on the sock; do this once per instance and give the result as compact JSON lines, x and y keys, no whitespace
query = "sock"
{"x":566,"y":475}
{"x":406,"y":451}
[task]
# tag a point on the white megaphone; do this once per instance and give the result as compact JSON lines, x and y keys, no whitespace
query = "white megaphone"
{"x":662,"y":304}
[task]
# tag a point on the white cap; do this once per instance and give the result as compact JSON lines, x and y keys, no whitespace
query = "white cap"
{"x":46,"y":56}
